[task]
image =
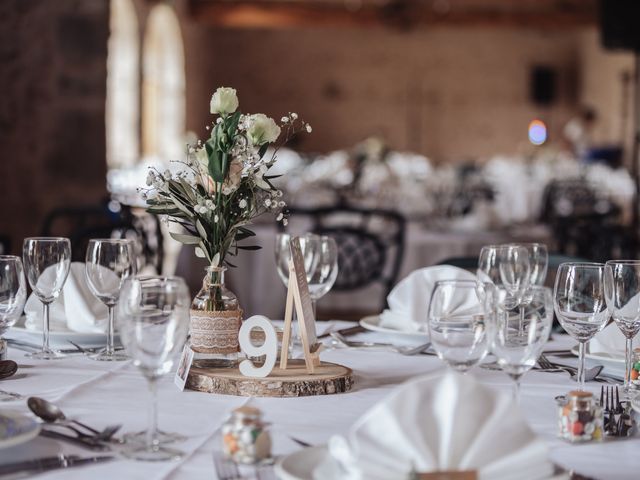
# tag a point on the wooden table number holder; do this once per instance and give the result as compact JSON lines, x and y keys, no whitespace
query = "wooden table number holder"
{"x":291,"y":378}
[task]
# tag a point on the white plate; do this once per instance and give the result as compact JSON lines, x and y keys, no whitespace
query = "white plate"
{"x":608,"y":359}
{"x":57,"y":339}
{"x":300,"y":465}
{"x":16,"y":428}
{"x":372,"y":323}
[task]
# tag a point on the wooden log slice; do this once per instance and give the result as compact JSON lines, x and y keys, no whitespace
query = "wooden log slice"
{"x":328,"y":379}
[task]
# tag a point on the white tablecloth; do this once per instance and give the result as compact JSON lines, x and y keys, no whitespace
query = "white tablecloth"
{"x":261,"y":291}
{"x":102,"y":393}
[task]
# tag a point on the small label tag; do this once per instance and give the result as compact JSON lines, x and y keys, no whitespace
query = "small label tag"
{"x":183,"y":367}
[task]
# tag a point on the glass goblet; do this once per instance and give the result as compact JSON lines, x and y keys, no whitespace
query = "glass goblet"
{"x":622,"y":293}
{"x":153,"y":320}
{"x":517,"y":345}
{"x":108,"y":263}
{"x":538,"y":262}
{"x":460,"y":312}
{"x":13,"y":294}
{"x":309,"y":244}
{"x":47,"y":261}
{"x":580,"y":304}
{"x":322,"y":278}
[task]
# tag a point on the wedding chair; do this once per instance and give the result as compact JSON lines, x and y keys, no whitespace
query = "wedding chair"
{"x":370,"y":244}
{"x":108,"y":220}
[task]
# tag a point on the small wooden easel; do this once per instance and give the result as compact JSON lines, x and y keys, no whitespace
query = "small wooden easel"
{"x":298,"y":297}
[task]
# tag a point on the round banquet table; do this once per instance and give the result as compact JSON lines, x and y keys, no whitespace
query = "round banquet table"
{"x":104,"y":393}
{"x":260,"y":290}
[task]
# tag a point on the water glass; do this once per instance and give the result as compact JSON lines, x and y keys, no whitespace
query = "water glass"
{"x":506,"y":267}
{"x":108,"y":263}
{"x":460,"y":313}
{"x":13,"y":294}
{"x":580,"y":305}
{"x":47,"y":261}
{"x":309,"y":244}
{"x":153,"y":320}
{"x":517,"y":343}
{"x":622,"y":293}
{"x":538,"y":262}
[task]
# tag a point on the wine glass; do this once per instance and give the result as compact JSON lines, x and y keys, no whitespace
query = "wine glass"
{"x":517,"y":345}
{"x":309,"y":244}
{"x":13,"y":294}
{"x":153,"y":320}
{"x":622,"y":293}
{"x":580,"y":304}
{"x":47,"y":261}
{"x":507,"y":267}
{"x":108,"y":263}
{"x":458,"y":320}
{"x":320,"y":254}
{"x":538,"y":261}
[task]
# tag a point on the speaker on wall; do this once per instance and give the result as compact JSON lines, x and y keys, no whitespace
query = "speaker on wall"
{"x":543,"y":88}
{"x":619,"y":24}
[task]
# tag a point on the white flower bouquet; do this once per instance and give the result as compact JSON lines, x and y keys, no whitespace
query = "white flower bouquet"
{"x":225,"y":184}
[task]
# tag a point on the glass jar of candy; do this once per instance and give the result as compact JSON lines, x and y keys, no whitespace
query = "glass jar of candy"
{"x":635,"y":368}
{"x":580,"y":417}
{"x":245,"y":438}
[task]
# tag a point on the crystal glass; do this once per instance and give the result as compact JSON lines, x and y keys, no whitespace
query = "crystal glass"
{"x":622,"y":293}
{"x":153,"y":320}
{"x":538,"y":262}
{"x":320,"y":255}
{"x":506,"y":267}
{"x":309,"y":243}
{"x":108,"y":263}
{"x":13,"y":293}
{"x":580,"y":304}
{"x":47,"y":261}
{"x":460,"y":312}
{"x":517,"y":345}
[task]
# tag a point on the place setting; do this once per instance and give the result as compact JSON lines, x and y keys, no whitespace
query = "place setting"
{"x":320,"y":240}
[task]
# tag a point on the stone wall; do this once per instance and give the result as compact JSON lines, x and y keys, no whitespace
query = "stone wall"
{"x":52,"y":139}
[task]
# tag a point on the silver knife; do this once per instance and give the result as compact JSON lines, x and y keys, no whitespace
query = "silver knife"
{"x":39,"y":465}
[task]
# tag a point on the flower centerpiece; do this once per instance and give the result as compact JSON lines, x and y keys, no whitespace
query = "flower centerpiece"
{"x":222,"y":188}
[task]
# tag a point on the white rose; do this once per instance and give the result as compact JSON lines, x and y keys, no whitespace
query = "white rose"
{"x":224,"y":101}
{"x":262,"y":129}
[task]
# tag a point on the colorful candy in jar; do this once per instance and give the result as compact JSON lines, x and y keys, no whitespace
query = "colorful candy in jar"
{"x":245,"y":438}
{"x":635,"y":368}
{"x":580,"y":417}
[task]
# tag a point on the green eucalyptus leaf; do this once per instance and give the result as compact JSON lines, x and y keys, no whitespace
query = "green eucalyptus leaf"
{"x":249,"y":247}
{"x":186,"y":239}
{"x":201,"y":230}
{"x":215,"y":163}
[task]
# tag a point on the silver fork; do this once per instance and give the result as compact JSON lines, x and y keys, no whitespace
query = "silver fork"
{"x":590,"y":373}
{"x":225,"y":468}
{"x":389,"y":346}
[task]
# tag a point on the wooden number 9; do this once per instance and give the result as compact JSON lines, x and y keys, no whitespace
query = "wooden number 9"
{"x":269,"y":348}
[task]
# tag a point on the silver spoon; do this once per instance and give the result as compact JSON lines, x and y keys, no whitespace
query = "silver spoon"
{"x":51,"y":413}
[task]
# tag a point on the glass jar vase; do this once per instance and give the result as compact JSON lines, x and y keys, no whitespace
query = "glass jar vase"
{"x":215,"y":321}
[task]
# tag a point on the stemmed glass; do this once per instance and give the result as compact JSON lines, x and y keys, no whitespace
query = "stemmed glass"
{"x":47,"y":261}
{"x":516,"y":344}
{"x":320,"y":255}
{"x":622,"y":293}
{"x":460,"y":314}
{"x":580,"y":304}
{"x":13,"y":294}
{"x":153,"y":320}
{"x":538,"y":262}
{"x":108,"y":263}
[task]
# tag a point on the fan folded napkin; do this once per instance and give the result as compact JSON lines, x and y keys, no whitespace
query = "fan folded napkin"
{"x":409,"y":299}
{"x":439,"y":423}
{"x":76,"y":309}
{"x":610,"y":340}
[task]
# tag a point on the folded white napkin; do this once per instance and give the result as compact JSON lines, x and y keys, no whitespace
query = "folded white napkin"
{"x":409,"y":299}
{"x":437,"y":423}
{"x":76,"y":309}
{"x":610,"y":340}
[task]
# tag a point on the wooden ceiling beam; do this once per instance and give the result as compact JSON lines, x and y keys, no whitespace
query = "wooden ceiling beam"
{"x":399,"y":14}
